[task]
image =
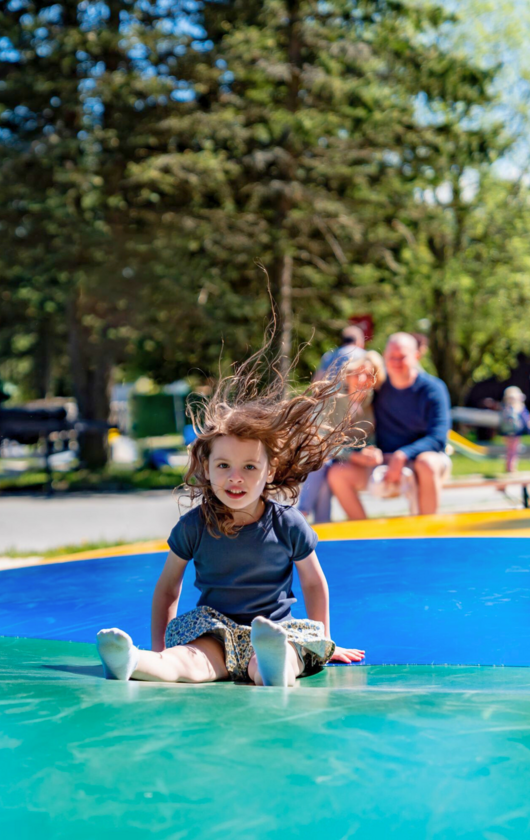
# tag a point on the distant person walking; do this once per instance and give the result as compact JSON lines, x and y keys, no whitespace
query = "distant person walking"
{"x":411,"y":412}
{"x":352,"y":347}
{"x":514,"y":422}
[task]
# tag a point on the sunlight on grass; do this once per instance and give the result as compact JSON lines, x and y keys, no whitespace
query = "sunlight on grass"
{"x":489,"y":467}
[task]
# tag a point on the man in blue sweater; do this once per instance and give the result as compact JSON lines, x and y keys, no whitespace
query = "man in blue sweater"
{"x":412,"y":418}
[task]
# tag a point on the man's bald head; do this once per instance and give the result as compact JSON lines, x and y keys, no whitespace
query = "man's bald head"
{"x":402,"y":359}
{"x":403,"y":339}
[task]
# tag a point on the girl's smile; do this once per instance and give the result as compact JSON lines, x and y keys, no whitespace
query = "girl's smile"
{"x":235,"y":494}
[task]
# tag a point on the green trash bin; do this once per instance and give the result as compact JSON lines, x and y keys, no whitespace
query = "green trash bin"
{"x":154,"y":415}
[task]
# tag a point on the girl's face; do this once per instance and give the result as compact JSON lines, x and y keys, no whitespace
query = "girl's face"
{"x":238,"y":470}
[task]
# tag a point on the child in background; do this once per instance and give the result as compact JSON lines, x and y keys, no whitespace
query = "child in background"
{"x":513,"y":424}
{"x":250,"y":447}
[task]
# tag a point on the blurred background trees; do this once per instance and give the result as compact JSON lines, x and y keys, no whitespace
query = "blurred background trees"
{"x":151,"y":152}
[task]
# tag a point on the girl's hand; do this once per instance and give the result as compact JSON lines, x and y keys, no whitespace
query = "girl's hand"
{"x":347,"y":655}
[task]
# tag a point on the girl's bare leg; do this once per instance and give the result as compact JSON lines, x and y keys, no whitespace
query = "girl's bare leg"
{"x":275,"y":662}
{"x":512,"y":446}
{"x":202,"y":660}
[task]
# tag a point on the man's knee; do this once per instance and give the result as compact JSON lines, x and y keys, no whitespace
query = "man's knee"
{"x":429,"y":465}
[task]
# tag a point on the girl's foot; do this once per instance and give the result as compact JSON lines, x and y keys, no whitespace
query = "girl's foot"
{"x":118,"y":654}
{"x":270,"y":644}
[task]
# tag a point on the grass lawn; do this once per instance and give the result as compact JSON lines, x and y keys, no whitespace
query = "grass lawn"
{"x":63,"y":550}
{"x":112,"y":479}
{"x":489,"y":467}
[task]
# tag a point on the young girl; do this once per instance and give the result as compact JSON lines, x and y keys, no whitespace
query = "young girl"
{"x":244,"y":544}
{"x":514,"y":423}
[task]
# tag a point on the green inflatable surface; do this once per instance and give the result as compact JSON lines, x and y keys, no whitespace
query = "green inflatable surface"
{"x":365,"y":752}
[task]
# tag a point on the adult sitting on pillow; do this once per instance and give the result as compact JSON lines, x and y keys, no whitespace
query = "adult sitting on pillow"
{"x":412,"y":418}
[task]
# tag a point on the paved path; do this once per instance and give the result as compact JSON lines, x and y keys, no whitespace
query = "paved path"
{"x":36,"y":523}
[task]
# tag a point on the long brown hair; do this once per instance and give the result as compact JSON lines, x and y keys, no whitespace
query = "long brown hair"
{"x":293,"y":428}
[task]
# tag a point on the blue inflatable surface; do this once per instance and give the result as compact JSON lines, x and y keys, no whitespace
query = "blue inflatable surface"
{"x":458,"y":601}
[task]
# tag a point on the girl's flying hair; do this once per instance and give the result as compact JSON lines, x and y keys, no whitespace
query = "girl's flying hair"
{"x":256,"y":403}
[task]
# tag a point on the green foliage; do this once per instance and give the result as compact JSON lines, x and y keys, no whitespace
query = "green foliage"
{"x":305,"y":141}
{"x":146,"y":164}
{"x":467,"y":266}
{"x":76,"y":107}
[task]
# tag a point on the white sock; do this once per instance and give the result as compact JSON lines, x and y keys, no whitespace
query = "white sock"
{"x":118,"y":654}
{"x":269,"y":641}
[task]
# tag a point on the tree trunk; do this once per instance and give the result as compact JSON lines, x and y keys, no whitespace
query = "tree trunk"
{"x":91,"y":368}
{"x":294,"y":53}
{"x":286,"y":313}
{"x":43,"y":358}
{"x":444,"y":344}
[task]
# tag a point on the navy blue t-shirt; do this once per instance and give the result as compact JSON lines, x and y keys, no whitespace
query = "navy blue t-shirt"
{"x":414,"y":419}
{"x":250,"y":574}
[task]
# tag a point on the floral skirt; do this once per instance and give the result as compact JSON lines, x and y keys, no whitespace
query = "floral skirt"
{"x":307,"y":636}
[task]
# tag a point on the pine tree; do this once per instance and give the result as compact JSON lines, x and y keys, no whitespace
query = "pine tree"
{"x":150,"y":154}
{"x":80,"y":85}
{"x":309,"y":130}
